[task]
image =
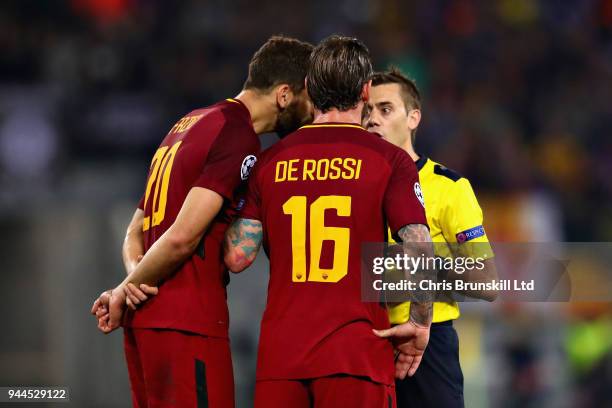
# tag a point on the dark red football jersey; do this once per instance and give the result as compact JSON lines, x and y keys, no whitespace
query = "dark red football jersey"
{"x":320,"y":193}
{"x":214,"y":148}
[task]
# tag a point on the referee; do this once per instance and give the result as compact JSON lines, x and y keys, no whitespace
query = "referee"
{"x":456,"y":226}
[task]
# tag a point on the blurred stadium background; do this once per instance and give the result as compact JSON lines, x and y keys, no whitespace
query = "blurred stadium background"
{"x":516,"y":98}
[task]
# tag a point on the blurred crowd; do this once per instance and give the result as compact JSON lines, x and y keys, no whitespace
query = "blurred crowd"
{"x":514,"y":90}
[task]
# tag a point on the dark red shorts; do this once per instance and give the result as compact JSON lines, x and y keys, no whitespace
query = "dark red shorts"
{"x":169,"y":368}
{"x":325,"y":392}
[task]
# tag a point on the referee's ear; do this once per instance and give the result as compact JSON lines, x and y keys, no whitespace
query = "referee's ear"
{"x":414,"y":118}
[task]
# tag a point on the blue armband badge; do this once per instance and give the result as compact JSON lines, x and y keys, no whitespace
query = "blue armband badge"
{"x":470,"y":234}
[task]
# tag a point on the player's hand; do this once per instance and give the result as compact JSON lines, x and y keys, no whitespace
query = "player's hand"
{"x":100,"y":305}
{"x":100,"y":308}
{"x":410,"y":340}
{"x":110,"y":310}
{"x":137,"y":295}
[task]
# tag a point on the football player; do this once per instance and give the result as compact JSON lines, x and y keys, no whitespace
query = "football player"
{"x":313,"y":199}
{"x":176,"y":343}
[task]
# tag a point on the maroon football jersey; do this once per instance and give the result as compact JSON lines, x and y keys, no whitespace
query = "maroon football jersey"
{"x":320,"y":193}
{"x":213,"y":148}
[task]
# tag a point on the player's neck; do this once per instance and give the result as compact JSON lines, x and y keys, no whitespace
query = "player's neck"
{"x":334,"y":115}
{"x":263,"y":113}
{"x":410,"y":150}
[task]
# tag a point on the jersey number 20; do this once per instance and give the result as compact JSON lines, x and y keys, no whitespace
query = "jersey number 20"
{"x":161,"y":166}
{"x":296,"y":206}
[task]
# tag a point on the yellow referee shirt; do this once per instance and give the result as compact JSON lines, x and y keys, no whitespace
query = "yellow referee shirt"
{"x":453,"y":215}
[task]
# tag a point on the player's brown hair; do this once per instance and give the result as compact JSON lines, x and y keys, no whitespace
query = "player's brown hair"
{"x":281,"y":60}
{"x":339,"y":68}
{"x":408,"y":90}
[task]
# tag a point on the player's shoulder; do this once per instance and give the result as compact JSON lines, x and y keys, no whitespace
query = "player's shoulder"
{"x":224,"y":117}
{"x":394,"y":155}
{"x":230,"y":112}
{"x":351,"y":134}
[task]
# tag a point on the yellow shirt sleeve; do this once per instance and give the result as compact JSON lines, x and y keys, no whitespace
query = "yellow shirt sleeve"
{"x":462,"y":222}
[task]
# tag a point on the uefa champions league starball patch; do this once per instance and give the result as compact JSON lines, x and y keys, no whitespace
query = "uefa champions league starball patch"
{"x":419,"y":193}
{"x":247,"y":166}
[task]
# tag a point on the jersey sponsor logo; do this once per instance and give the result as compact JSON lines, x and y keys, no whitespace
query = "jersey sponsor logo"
{"x":470,"y":234}
{"x":247,"y":166}
{"x":419,"y":193}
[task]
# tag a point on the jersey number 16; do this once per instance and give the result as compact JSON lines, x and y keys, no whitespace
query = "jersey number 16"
{"x":296,"y":207}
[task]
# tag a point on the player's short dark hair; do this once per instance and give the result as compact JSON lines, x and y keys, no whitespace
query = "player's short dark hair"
{"x":281,"y":60}
{"x":339,"y":68}
{"x":408,"y":90}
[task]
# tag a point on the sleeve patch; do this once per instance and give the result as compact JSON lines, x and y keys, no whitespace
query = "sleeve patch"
{"x":419,"y":193}
{"x":247,"y":166}
{"x":470,"y":234}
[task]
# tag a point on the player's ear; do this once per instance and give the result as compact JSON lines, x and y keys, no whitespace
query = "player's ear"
{"x":366,"y":113}
{"x":414,"y":118}
{"x":365,"y":92}
{"x":284,"y":95}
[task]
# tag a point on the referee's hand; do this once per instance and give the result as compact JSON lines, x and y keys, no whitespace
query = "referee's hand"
{"x":410,"y":339}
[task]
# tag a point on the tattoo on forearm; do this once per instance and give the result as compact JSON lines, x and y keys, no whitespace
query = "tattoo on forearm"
{"x":417,"y":242}
{"x":415,"y":233}
{"x":421,"y":313}
{"x":243,"y":239}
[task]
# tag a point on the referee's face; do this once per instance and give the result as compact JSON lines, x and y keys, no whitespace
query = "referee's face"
{"x":386,"y":114}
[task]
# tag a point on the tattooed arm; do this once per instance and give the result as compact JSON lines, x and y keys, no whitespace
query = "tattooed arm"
{"x":242,"y":241}
{"x":410,"y":339}
{"x":417,"y":242}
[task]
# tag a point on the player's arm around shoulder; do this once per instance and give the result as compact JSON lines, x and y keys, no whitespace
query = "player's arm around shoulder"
{"x":462,"y":225}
